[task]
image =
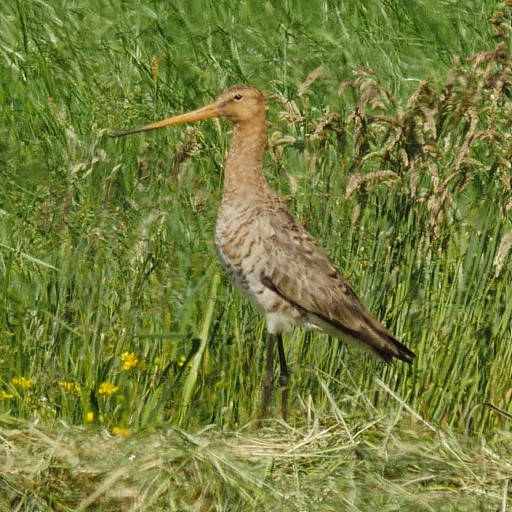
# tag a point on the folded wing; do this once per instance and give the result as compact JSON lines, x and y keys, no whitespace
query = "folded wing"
{"x":301,"y":272}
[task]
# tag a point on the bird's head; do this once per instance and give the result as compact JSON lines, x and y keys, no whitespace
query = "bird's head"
{"x":239,"y":104}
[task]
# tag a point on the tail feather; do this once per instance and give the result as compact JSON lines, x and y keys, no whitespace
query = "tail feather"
{"x":402,"y":352}
{"x":373,"y":337}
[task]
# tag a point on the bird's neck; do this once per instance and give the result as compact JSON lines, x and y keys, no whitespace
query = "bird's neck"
{"x":242,"y":170}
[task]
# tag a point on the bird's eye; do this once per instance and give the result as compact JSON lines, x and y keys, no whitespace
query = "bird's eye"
{"x":238,"y":97}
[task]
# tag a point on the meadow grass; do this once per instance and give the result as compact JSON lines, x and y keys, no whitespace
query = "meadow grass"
{"x":389,"y":137}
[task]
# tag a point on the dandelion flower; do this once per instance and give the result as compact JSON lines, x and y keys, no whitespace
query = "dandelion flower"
{"x":70,"y":386}
{"x":107,"y":389}
{"x":22,"y":382}
{"x":121,"y":432}
{"x":89,"y":417}
{"x":129,"y":360}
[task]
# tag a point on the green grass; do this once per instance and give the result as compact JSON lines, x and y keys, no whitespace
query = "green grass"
{"x":389,"y":129}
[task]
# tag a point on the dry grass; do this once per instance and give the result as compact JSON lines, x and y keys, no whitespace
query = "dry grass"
{"x":415,"y":149}
{"x":390,"y":463}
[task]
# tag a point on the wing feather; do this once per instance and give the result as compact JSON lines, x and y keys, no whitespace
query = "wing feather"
{"x":302,"y":273}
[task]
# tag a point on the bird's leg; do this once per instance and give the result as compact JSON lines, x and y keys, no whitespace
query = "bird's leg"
{"x":269,"y":376}
{"x":284,"y":377}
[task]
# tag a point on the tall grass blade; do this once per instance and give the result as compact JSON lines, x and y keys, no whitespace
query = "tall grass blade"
{"x":191,"y":380}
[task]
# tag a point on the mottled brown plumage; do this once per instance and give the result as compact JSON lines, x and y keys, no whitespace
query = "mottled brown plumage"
{"x":270,"y":256}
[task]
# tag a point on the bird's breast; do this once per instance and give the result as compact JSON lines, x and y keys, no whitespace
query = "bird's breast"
{"x":239,"y":246}
{"x":240,"y":241}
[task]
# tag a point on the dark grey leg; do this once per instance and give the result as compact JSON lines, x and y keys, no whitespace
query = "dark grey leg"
{"x":283,"y":378}
{"x":269,"y":376}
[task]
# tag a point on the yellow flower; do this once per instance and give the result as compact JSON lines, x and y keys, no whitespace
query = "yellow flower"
{"x":182,"y":360}
{"x":70,"y":386}
{"x":22,"y":382}
{"x":129,"y":360}
{"x":6,"y":396}
{"x":121,"y":432}
{"x":89,"y":417}
{"x":107,"y":389}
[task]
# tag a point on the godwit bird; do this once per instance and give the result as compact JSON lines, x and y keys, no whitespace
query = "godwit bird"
{"x":270,"y":256}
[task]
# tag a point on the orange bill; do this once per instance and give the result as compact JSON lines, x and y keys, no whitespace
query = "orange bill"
{"x":206,"y":112}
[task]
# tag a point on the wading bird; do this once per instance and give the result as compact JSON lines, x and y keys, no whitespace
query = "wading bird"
{"x":270,"y":256}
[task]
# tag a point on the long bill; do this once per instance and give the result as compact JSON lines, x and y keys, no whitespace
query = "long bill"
{"x":206,"y":112}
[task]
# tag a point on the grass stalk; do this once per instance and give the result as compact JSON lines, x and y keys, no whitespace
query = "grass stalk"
{"x":190,"y":382}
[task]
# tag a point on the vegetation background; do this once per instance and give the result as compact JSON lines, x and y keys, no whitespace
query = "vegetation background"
{"x":130,"y":371}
